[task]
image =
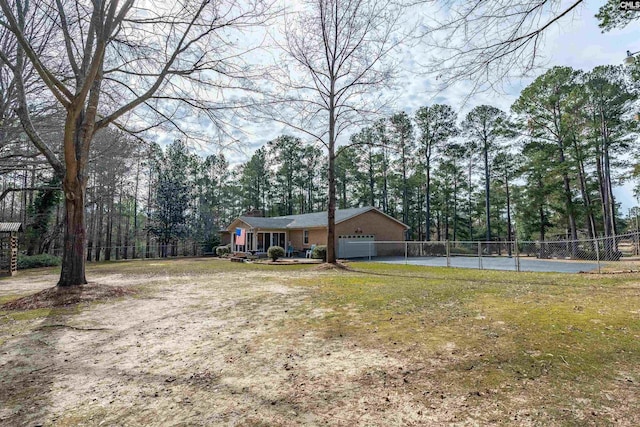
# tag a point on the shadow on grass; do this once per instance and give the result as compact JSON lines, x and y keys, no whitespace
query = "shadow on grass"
{"x":30,"y":361}
{"x":31,"y":353}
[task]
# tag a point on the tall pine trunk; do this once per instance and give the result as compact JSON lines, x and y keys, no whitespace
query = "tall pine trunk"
{"x":109,"y":240}
{"x":427,"y":220}
{"x":509,"y":231}
{"x":92,"y":226}
{"x":372,"y":178}
{"x":99,"y":224}
{"x":119,"y":233}
{"x":487,"y":188}
{"x":586,"y":198}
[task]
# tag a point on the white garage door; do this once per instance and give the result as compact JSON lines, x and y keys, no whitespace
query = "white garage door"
{"x":356,"y":246}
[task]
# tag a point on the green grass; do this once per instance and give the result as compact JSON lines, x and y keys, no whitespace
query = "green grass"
{"x":577,"y":334}
{"x":6,"y":298}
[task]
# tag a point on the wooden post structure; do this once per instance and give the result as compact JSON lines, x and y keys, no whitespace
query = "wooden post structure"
{"x":9,"y":247}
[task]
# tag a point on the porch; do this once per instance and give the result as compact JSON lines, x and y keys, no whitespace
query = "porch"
{"x":257,"y":242}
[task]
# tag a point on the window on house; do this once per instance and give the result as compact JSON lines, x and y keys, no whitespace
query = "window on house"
{"x":305,"y":235}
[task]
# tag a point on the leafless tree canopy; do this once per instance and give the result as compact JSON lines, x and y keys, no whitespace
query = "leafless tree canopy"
{"x":336,"y":59}
{"x":337,"y":62}
{"x":15,"y":152}
{"x":487,"y":42}
{"x":132,"y":65}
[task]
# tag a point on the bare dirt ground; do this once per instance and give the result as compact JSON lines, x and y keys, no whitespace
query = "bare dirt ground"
{"x":193,"y":351}
{"x":217,"y":347}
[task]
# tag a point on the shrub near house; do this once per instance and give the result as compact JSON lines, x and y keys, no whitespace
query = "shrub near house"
{"x":319,"y":252}
{"x":275,"y":252}
{"x":223,"y":250}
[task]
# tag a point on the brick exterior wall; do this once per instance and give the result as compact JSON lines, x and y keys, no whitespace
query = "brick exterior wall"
{"x":372,"y":222}
{"x":375,"y":223}
{"x":317,"y":236}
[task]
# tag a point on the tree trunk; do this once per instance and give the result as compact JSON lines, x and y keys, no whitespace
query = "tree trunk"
{"x":455,"y":206}
{"x":99,"y":224}
{"x":73,"y":267}
{"x":405,"y":193}
{"x":13,"y":199}
{"x":343,"y":192}
{"x":509,"y":232}
{"x":385,"y":193}
{"x":147,"y":250}
{"x":331,"y":208}
{"x":541,"y":215}
{"x":4,"y":186}
{"x":470,"y":200}
{"x":446,"y":220}
{"x":427,"y":220}
{"x":569,"y":203}
{"x":109,"y":237}
{"x":609,"y":189}
{"x":135,"y":213}
{"x":91,"y":231}
{"x":371,"y":178}
{"x":23,"y":211}
{"x":487,"y":185}
{"x":119,"y":228}
{"x":586,"y":199}
{"x":127,"y":232}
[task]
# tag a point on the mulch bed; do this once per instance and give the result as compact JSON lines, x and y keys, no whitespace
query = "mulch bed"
{"x":67,"y":296}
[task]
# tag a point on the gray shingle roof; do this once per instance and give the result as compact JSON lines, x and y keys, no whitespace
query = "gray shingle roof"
{"x":10,"y":227}
{"x":319,"y":219}
{"x":310,"y":220}
{"x":260,"y":222}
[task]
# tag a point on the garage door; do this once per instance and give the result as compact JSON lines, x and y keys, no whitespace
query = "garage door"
{"x":356,"y":246}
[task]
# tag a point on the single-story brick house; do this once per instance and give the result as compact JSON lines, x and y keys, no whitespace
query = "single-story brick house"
{"x":300,"y":232}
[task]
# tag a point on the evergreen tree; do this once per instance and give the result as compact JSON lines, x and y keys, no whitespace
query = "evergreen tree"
{"x":483,"y":125}
{"x":436,"y":124}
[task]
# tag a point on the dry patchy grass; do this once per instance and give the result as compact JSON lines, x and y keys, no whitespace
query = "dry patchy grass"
{"x":206,"y":342}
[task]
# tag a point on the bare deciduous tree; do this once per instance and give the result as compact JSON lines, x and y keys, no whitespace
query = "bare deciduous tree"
{"x":337,"y":66}
{"x":120,"y":63}
{"x":487,"y":42}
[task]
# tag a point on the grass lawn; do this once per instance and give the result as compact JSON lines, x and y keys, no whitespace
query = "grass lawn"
{"x":207,"y":342}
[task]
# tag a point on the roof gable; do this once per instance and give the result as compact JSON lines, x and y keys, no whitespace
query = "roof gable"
{"x":261,"y":222}
{"x":238,"y":222}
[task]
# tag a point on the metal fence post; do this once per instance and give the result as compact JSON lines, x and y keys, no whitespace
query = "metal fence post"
{"x":448,"y":253}
{"x":597,"y":253}
{"x":517,"y":251}
{"x":406,"y":249}
{"x":370,"y":244}
{"x":480,"y":255}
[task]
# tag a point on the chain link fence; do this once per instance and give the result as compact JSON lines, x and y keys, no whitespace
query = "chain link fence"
{"x":152,"y":250}
{"x":558,"y":256}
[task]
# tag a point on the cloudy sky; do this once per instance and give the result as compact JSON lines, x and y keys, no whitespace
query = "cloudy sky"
{"x":576,"y":42}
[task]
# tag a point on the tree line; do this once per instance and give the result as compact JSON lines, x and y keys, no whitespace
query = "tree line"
{"x":543,"y":171}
